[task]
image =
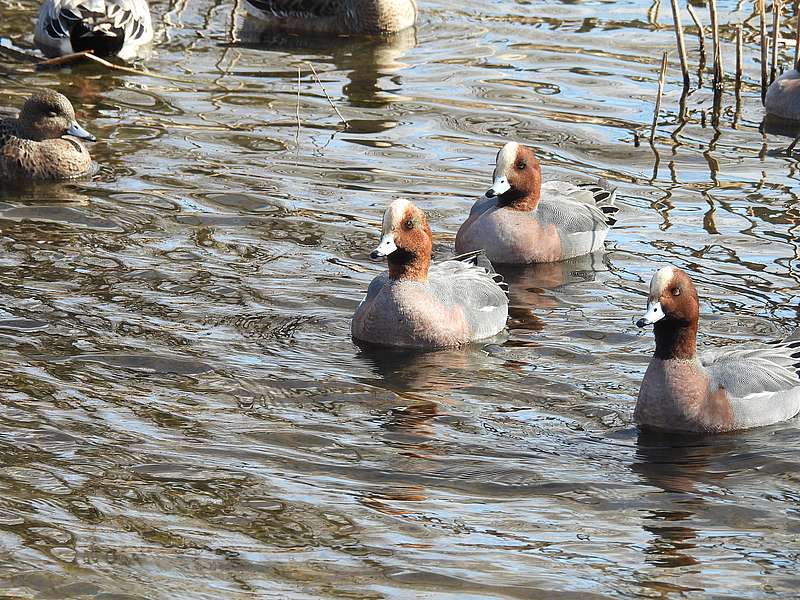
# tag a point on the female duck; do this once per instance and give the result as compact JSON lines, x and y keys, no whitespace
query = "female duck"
{"x":522,"y":221}
{"x":42,"y":142}
{"x":371,"y":17}
{"x":120,"y":28}
{"x":418,"y":305}
{"x":723,"y":390}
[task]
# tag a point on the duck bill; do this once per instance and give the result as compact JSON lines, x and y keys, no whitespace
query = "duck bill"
{"x":385,"y":247}
{"x":654,"y":314}
{"x":79,"y":132}
{"x":499,"y":187}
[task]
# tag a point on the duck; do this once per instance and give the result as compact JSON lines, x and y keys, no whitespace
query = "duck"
{"x":337,"y":17}
{"x":722,"y":390}
{"x":121,"y":28}
{"x":521,"y":220}
{"x":44,"y":141}
{"x":419,"y":305}
{"x":782,"y":100}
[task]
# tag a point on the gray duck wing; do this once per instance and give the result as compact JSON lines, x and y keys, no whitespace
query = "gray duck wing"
{"x":746,"y":371}
{"x":480,"y":293}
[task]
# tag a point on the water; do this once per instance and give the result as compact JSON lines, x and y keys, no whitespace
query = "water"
{"x":184,"y":414}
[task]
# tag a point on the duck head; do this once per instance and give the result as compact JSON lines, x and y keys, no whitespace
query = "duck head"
{"x":517,"y":178}
{"x":673,"y":309}
{"x":48,"y":115}
{"x":406,"y":241}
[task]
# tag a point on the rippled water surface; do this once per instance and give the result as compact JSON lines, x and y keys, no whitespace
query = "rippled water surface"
{"x":183,"y":411}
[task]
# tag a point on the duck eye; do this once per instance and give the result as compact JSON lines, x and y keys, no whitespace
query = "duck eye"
{"x":522,"y":164}
{"x":52,"y":114}
{"x":676,"y":291}
{"x":409,"y":224}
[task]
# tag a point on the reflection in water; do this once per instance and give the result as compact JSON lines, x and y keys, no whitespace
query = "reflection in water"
{"x":182,"y":408}
{"x":371,"y":65}
{"x":690,"y":469}
{"x":530,"y":287}
{"x":413,"y":373}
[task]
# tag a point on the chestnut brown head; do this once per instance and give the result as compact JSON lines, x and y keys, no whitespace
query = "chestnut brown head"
{"x":673,"y":297}
{"x":406,"y":241}
{"x":48,"y":115}
{"x":517,"y":177}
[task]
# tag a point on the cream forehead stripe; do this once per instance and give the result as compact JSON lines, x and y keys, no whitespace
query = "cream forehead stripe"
{"x":394,"y":214}
{"x":661,"y":280}
{"x":506,"y":158}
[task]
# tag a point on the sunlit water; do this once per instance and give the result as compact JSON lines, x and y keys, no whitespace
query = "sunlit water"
{"x":183,"y":411}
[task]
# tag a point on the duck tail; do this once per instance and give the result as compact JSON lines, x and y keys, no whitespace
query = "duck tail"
{"x":479,"y":259}
{"x":605,"y":197}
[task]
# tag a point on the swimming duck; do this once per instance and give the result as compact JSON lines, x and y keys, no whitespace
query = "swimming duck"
{"x":371,"y":17}
{"x":783,"y":96}
{"x":107,"y":27}
{"x":722,"y":390}
{"x":419,"y":305}
{"x":522,"y":221}
{"x":42,"y":142}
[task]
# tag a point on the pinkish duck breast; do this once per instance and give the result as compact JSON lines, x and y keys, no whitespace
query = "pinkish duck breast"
{"x":522,"y":220}
{"x":722,"y":390}
{"x":416,"y":304}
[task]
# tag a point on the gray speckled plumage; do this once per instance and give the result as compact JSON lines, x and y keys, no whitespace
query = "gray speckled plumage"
{"x":761,"y":386}
{"x":27,"y":151}
{"x":121,"y":28}
{"x":570,"y":220}
{"x":336,"y":16}
{"x":783,"y":96}
{"x":460,"y":302}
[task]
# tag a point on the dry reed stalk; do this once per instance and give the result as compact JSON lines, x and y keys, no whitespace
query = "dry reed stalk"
{"x":661,"y":77}
{"x":739,"y":57}
{"x":718,"y":73}
{"x":68,"y":58}
{"x":776,"y":33}
{"x":330,"y":100}
{"x":701,"y":38}
{"x":764,"y":41}
{"x":676,"y":17}
{"x":297,"y":107}
{"x":797,"y":38}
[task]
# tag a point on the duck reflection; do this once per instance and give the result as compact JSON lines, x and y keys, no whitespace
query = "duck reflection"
{"x":777,"y":126}
{"x":680,"y":465}
{"x":415,"y":374}
{"x":372,"y":64}
{"x":529,"y":286}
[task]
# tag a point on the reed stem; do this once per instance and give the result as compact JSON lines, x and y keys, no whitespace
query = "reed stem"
{"x":718,"y":73}
{"x":676,"y":17}
{"x":764,"y":42}
{"x":661,"y":77}
{"x":776,"y":33}
{"x":701,"y":35}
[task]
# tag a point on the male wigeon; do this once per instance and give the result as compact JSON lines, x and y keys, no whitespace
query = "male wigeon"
{"x":371,"y":17}
{"x":723,"y":390}
{"x":522,"y":221}
{"x":42,"y":143}
{"x":120,"y":28}
{"x":418,"y":305}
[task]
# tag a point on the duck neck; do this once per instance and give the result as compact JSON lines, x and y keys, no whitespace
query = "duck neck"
{"x":675,"y":339}
{"x":408,"y":266}
{"x":518,"y":200}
